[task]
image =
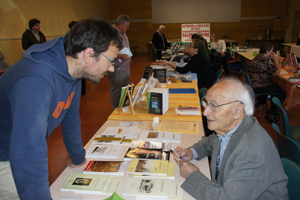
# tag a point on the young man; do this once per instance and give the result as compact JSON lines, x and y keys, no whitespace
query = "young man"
{"x":42,"y":91}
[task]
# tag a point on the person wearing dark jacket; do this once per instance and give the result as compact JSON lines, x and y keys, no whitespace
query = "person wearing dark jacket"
{"x":33,"y":35}
{"x":199,"y":64}
{"x":159,"y":41}
{"x":40,"y":92}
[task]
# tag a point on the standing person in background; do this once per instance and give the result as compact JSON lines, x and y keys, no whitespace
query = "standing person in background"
{"x":121,"y":76}
{"x":40,"y":92}
{"x":219,"y":51}
{"x":159,"y":41}
{"x":33,"y":35}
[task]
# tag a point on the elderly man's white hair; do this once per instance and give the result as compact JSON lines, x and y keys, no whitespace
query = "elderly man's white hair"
{"x":161,"y":27}
{"x":245,"y":93}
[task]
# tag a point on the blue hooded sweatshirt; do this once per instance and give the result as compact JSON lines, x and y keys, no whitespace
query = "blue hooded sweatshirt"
{"x":37,"y":94}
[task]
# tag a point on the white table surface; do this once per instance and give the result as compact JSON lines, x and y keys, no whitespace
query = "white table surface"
{"x":187,"y":140}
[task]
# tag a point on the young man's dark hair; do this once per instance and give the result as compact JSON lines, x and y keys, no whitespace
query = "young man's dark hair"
{"x":33,"y":22}
{"x":266,"y":46}
{"x":71,"y":24}
{"x":94,"y":33}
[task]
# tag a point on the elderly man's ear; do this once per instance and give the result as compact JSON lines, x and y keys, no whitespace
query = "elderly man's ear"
{"x":239,"y":112}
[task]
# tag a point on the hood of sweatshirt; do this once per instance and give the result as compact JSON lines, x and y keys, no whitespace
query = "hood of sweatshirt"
{"x":52,"y":54}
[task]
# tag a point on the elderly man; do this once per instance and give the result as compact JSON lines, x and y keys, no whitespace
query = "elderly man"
{"x":121,"y":76}
{"x":42,"y":91}
{"x":244,"y":160}
{"x":33,"y":35}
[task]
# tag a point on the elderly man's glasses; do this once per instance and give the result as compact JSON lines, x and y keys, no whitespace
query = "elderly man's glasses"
{"x":112,"y":62}
{"x":213,"y":106}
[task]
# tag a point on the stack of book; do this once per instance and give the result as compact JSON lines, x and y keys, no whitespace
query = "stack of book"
{"x":187,"y":111}
{"x":106,"y":167}
{"x":104,"y":151}
{"x":152,"y":188}
{"x":152,"y":168}
{"x":92,"y":184}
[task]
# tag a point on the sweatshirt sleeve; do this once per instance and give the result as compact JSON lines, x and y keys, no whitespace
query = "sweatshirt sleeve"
{"x":71,"y":126}
{"x":30,"y":101}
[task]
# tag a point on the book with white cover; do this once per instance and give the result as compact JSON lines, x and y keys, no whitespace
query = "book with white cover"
{"x":175,"y":191}
{"x":106,"y":167}
{"x":85,"y":183}
{"x":170,"y":173}
{"x":104,"y":151}
{"x":163,"y":136}
{"x":120,"y":131}
{"x":149,"y":167}
{"x":176,"y":137}
{"x":146,"y":187}
{"x":147,"y":144}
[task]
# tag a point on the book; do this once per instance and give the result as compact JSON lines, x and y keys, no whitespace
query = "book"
{"x":154,"y":154}
{"x":147,"y":144}
{"x":182,"y":127}
{"x":113,"y":140}
{"x":147,"y":72}
{"x":146,"y":187}
{"x":92,"y":184}
{"x":176,"y":137}
{"x":164,"y":136}
{"x":106,"y":167}
{"x":158,"y":101}
{"x":120,"y":131}
{"x":126,"y":101}
{"x":160,"y":73}
{"x":148,"y":167}
{"x":187,"y":111}
{"x":182,"y":91}
{"x":170,"y":173}
{"x":104,"y":151}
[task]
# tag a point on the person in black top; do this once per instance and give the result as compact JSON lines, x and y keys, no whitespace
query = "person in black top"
{"x":199,"y":64}
{"x":159,"y":41}
{"x":33,"y":35}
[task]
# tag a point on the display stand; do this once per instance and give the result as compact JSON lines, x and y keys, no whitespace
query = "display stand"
{"x":129,"y":94}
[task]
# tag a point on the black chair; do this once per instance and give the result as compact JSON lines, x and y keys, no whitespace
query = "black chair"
{"x":292,"y":132}
{"x":292,"y":170}
{"x":287,"y":147}
{"x":202,"y":94}
{"x":218,"y":74}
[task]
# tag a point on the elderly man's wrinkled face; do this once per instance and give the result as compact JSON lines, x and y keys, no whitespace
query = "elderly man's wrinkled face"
{"x":222,"y":119}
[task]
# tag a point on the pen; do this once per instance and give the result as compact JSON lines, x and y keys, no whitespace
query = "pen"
{"x":179,"y":156}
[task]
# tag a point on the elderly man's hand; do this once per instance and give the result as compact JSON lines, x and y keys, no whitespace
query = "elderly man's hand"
{"x":70,"y":163}
{"x":187,"y":154}
{"x":186,"y":168}
{"x":223,"y":54}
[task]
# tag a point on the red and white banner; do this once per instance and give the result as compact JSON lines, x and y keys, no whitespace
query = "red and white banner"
{"x":187,"y":30}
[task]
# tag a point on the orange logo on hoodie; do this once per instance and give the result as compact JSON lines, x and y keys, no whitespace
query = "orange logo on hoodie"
{"x":61,"y":106}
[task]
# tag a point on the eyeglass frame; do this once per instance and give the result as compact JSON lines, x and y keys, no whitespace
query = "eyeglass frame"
{"x":213,"y":106}
{"x":127,"y":26}
{"x":112,"y":62}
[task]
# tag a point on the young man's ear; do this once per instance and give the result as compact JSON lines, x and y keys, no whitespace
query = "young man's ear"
{"x":88,"y":54}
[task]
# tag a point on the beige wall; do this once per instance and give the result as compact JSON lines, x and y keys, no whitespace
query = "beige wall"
{"x":15,"y":15}
{"x":254,"y":13}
